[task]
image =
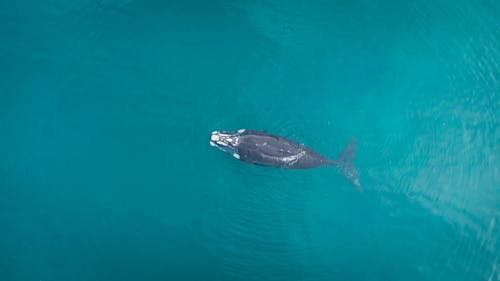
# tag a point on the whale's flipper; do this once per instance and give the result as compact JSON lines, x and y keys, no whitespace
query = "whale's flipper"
{"x":346,"y":165}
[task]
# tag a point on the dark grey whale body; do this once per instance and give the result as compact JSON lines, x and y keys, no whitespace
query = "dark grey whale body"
{"x":261,"y":148}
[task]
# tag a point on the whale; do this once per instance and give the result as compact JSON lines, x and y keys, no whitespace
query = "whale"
{"x":263,"y":149}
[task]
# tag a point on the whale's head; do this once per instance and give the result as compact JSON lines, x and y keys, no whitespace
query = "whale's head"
{"x":227,"y":141}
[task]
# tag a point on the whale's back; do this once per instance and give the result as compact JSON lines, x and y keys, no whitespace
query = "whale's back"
{"x":270,"y":150}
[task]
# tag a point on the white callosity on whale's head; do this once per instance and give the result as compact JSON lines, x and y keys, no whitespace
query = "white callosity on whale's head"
{"x":226,"y":141}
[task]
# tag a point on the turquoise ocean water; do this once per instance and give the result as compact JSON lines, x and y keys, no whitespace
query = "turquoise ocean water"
{"x":106,"y":108}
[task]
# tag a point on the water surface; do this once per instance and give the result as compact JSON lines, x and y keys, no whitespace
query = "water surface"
{"x":106,"y":108}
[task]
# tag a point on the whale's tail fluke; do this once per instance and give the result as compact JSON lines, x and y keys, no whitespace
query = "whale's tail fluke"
{"x":346,"y":165}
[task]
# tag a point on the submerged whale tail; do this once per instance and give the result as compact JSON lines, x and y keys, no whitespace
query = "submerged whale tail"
{"x":346,"y":166}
